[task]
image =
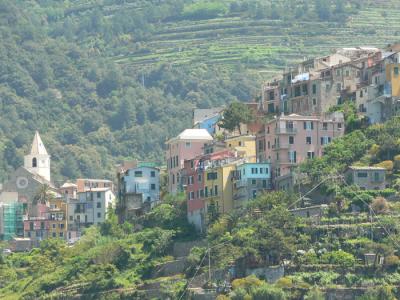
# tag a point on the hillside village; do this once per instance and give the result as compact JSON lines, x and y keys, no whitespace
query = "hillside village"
{"x":235,"y":156}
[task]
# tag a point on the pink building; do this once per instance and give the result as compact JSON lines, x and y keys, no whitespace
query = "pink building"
{"x":187,"y":145}
{"x":289,"y":140}
{"x":192,"y":177}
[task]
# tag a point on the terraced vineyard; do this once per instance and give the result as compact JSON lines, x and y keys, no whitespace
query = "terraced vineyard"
{"x":267,"y":46}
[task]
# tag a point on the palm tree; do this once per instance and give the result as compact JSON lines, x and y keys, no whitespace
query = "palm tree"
{"x":43,"y":195}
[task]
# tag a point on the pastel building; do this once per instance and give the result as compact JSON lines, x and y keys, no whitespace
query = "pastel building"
{"x":86,"y":184}
{"x":57,"y":215}
{"x":250,"y":181}
{"x":140,"y":184}
{"x":194,"y":183}
{"x":89,"y":208}
{"x":289,"y":140}
{"x":243,"y":145}
{"x":367,"y":178}
{"x":187,"y":145}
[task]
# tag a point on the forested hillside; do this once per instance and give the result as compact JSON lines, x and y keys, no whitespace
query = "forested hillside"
{"x":106,"y":80}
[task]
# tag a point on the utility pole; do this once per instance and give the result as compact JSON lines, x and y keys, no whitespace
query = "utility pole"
{"x":209,"y":263}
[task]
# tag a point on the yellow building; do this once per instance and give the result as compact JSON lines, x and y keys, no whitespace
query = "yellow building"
{"x":245,"y":145}
{"x":58,"y":219}
{"x":393,"y":78}
{"x":218,"y":190}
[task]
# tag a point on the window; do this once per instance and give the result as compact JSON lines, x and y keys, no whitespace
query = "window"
{"x":261,"y":170}
{"x":240,"y":143}
{"x":71,"y":218}
{"x":98,"y":205}
{"x":212,"y":176}
{"x":216,"y":190}
{"x":338,"y":72}
{"x":264,"y":183}
{"x":314,"y":89}
{"x":338,"y":87}
{"x":347,"y":73}
{"x":199,"y":178}
{"x":327,"y":87}
{"x":325,"y":140}
{"x":308,"y":125}
{"x":310,"y":154}
{"x":339,"y":125}
{"x":291,"y":140}
{"x":41,"y":225}
{"x":153,"y":173}
{"x":61,"y":234}
{"x":138,"y":174}
{"x":98,"y":215}
{"x":98,"y":195}
{"x":34,"y":162}
{"x":61,"y":226}
{"x":297,"y":91}
{"x":325,"y":126}
{"x":305,"y":89}
{"x":253,"y":182}
{"x":271,"y":95}
{"x":188,"y":145}
{"x":254,"y":170}
{"x":201,"y":194}
{"x":54,"y":226}
{"x":362,"y":174}
{"x":191,"y":195}
{"x":205,"y":191}
{"x":173,"y":178}
{"x":308,"y":140}
{"x":292,"y":156}
{"x":269,"y":144}
{"x":254,"y":194}
{"x":54,"y":234}
{"x":396,"y":71}
{"x":376,"y":176}
{"x":314,"y":101}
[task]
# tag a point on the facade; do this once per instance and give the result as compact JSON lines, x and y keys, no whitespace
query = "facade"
{"x":37,"y":227}
{"x":57,"y":214}
{"x":209,"y":123}
{"x":85,"y":184}
{"x":250,"y":180}
{"x":188,"y":144}
{"x":243,"y":145}
{"x":27,"y":180}
{"x":289,"y":140}
{"x":315,"y":85}
{"x":367,"y":178}
{"x":68,"y":190}
{"x":194,"y":179}
{"x":89,"y":208}
{"x":138,"y":189}
{"x":38,"y":160}
{"x":11,"y":220}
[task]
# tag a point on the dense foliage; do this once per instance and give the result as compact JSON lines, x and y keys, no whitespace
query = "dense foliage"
{"x":107,"y":80}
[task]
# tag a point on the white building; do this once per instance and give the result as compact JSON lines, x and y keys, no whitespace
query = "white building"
{"x":90,"y":208}
{"x":38,"y":160}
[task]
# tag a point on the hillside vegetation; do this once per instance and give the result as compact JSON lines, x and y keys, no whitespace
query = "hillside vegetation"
{"x":107,"y":80}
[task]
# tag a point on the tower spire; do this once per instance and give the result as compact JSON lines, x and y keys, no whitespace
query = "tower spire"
{"x":38,"y":147}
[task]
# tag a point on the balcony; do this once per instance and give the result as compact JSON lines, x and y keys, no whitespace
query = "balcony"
{"x":280,"y":147}
{"x":285,"y":130}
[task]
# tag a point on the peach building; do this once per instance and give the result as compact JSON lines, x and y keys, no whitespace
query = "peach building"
{"x":84,"y":185}
{"x":289,"y":140}
{"x":187,"y":145}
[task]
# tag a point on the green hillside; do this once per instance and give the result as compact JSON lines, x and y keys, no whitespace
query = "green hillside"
{"x":107,"y":80}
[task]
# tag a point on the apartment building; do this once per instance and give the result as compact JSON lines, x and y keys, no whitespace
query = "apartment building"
{"x":289,"y":140}
{"x":187,"y":145}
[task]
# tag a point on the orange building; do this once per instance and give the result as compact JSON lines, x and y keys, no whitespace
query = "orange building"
{"x":57,"y":218}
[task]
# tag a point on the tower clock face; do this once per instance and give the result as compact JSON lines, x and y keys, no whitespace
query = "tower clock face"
{"x":22,"y":182}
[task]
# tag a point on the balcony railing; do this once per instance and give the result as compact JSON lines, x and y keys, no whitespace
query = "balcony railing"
{"x":285,"y":130}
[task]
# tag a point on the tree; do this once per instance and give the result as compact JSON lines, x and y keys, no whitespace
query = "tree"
{"x":43,"y":195}
{"x":323,"y":9}
{"x":237,"y":113}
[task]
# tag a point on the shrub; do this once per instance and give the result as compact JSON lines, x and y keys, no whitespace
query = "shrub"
{"x":379,"y":205}
{"x":340,"y":258}
{"x":391,"y":261}
{"x":387,"y":164}
{"x":284,"y":282}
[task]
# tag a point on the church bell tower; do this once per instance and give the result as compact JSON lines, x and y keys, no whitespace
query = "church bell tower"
{"x":38,"y":160}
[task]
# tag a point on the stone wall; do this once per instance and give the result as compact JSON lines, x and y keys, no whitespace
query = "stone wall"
{"x":182,"y":249}
{"x":271,"y":274}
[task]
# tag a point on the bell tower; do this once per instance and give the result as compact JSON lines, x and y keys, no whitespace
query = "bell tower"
{"x":38,"y":160}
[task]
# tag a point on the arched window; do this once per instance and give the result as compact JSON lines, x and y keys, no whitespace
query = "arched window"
{"x":34,"y":162}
